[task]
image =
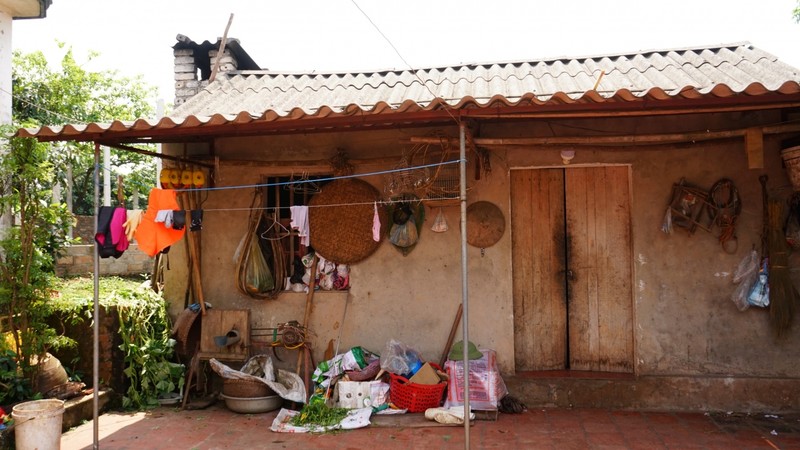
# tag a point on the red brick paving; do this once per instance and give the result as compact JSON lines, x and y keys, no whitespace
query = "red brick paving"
{"x":557,"y":429}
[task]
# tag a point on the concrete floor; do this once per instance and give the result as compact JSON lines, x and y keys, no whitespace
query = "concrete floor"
{"x":216,"y":428}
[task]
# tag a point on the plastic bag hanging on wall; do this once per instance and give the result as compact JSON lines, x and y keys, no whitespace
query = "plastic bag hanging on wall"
{"x":258,"y":277}
{"x":439,"y":223}
{"x":407,"y":213}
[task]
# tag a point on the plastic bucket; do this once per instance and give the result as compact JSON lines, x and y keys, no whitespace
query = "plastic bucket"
{"x":38,"y":424}
{"x":791,"y":159}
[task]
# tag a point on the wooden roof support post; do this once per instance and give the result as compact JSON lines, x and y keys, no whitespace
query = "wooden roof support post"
{"x":754,"y":146}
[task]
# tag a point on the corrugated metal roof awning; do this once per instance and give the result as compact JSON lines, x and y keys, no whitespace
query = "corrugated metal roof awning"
{"x":262,"y":102}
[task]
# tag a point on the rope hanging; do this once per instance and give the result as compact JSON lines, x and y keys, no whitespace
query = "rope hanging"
{"x":725,"y":197}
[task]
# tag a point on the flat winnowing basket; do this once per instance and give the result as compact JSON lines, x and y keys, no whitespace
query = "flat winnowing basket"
{"x":340,"y":220}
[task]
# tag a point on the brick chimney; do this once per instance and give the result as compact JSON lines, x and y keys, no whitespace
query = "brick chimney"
{"x":186,"y":81}
{"x":194,"y":62}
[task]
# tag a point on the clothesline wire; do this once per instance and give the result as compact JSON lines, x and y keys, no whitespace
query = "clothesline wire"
{"x":379,"y":202}
{"x":340,"y":177}
{"x":410,"y":67}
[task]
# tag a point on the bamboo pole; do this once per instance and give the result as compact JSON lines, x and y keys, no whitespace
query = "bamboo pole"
{"x":221,"y":50}
{"x":307,"y":315}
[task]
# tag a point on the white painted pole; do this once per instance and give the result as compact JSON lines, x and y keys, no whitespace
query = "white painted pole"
{"x":6,"y":57}
{"x":159,"y":114}
{"x":6,"y":105}
{"x":106,"y":176}
{"x":70,"y":185}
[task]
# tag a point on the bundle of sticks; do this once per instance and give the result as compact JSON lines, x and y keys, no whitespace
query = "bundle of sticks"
{"x":783,"y":295}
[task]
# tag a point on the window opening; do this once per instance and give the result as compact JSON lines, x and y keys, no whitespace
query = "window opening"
{"x":281,"y":193}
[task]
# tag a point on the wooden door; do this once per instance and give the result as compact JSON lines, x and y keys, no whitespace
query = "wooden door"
{"x":572,"y":269}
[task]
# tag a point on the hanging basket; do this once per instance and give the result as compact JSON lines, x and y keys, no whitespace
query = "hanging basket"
{"x":340,"y":220}
{"x":791,"y":159}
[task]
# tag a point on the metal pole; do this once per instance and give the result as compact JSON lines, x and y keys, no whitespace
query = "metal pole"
{"x":96,"y":326}
{"x":106,"y":175}
{"x":462,"y":167}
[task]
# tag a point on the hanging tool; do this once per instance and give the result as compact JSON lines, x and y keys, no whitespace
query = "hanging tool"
{"x":194,"y":254}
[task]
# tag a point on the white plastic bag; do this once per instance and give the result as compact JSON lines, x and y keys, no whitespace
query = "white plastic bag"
{"x":759,"y":294}
{"x":288,"y":385}
{"x":745,"y":276}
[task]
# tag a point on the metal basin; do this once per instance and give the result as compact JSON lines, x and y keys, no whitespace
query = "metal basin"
{"x":252,"y":405}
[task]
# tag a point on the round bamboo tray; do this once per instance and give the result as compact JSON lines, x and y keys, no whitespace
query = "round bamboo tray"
{"x":242,"y":388}
{"x":340,"y":220}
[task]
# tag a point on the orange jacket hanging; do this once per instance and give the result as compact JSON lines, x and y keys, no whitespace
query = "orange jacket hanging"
{"x":154,"y":237}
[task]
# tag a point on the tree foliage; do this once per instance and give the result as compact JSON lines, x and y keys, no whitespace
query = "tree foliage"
{"x":70,"y":94}
{"x":28,"y":249}
{"x":29,"y":170}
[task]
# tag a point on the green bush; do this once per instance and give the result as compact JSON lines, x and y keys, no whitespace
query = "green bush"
{"x":144,"y":330}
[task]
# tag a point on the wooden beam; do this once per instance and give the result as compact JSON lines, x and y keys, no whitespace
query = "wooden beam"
{"x":141,"y":151}
{"x":641,"y":139}
{"x":754,"y":146}
{"x":316,"y":166}
{"x":545,"y":112}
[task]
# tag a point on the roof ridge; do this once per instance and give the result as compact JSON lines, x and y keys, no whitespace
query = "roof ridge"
{"x":545,"y":60}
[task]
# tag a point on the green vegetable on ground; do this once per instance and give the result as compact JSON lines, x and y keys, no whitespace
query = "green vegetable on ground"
{"x":317,"y":414}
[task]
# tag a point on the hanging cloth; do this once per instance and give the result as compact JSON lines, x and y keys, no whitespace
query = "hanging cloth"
{"x":132,"y":223}
{"x":154,"y":237}
{"x":111,"y":239}
{"x":300,"y":223}
{"x":376,"y":225}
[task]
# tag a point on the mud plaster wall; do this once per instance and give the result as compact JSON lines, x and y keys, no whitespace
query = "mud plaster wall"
{"x":684,"y":320}
{"x":413,"y":299}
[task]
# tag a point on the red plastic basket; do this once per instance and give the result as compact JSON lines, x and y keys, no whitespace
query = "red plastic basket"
{"x":415,"y":397}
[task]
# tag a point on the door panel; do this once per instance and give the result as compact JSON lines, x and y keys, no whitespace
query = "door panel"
{"x":572,"y":269}
{"x":537,"y":219}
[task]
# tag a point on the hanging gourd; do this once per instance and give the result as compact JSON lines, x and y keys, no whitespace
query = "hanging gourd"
{"x":174,"y":179}
{"x":186,"y":179}
{"x":164,"y":178}
{"x":198,"y":178}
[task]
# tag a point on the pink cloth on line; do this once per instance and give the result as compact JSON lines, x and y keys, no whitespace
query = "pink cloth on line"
{"x":117,"y":229}
{"x":376,"y":225}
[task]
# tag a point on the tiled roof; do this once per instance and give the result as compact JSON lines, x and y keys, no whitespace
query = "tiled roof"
{"x":684,"y":73}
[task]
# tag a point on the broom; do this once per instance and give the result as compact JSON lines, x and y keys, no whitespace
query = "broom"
{"x":783,"y":294}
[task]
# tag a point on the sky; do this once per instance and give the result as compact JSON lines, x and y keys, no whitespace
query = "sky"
{"x":136,"y":37}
